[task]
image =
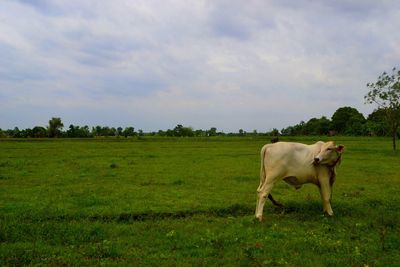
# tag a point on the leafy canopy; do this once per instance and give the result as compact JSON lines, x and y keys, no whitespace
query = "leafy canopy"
{"x":386,"y":91}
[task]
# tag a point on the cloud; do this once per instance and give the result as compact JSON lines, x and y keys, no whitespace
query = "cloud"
{"x":225,"y":64}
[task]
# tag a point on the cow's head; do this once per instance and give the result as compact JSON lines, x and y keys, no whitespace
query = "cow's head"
{"x":330,"y":154}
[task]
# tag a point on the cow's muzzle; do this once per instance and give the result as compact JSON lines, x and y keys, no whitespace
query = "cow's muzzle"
{"x":316,"y":160}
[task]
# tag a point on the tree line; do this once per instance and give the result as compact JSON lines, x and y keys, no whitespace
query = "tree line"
{"x":345,"y":121}
{"x":55,"y":129}
{"x":384,"y":121}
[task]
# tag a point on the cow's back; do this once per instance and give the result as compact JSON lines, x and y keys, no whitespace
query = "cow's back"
{"x":287,"y":150}
{"x":291,"y":158}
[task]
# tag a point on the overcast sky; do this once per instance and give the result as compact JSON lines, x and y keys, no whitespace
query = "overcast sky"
{"x":226,"y":64}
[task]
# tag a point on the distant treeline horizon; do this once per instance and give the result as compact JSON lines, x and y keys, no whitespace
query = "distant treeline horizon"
{"x":345,"y":121}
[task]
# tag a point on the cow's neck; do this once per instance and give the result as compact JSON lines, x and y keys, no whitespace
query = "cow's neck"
{"x":332,"y":169}
{"x":337,"y":161}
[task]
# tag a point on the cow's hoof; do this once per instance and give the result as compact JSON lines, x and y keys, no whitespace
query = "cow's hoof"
{"x":327,"y":213}
{"x":259,"y":219}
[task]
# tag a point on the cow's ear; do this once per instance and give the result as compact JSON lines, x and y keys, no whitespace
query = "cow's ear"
{"x":340,"y":148}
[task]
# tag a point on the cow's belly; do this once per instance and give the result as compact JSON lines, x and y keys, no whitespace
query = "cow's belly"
{"x":292,"y":180}
{"x":298,"y":181}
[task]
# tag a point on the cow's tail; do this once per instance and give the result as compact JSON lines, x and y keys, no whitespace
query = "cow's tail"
{"x":262,"y":168}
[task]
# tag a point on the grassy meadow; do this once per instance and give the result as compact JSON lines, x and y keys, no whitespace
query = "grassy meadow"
{"x":190,"y":202}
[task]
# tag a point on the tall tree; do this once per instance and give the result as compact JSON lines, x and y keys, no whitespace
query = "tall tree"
{"x":385,"y":93}
{"x":211,"y":132}
{"x":39,"y":132}
{"x":55,"y":127}
{"x":348,"y":121}
{"x":317,"y":126}
{"x":129,"y":131}
{"x":377,"y":123}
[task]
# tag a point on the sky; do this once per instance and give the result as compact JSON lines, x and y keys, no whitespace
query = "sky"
{"x":252,"y":65}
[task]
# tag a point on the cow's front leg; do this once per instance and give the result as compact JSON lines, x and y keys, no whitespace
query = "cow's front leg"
{"x":326,"y":192}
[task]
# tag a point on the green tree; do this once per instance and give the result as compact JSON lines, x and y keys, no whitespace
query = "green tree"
{"x":85,"y":131}
{"x":288,"y":131}
{"x":77,"y":131}
{"x":39,"y":132}
{"x":200,"y":133}
{"x":96,"y":131}
{"x":297,"y":129}
{"x":129,"y":131}
{"x":377,"y":124}
{"x":212,"y":132}
{"x":55,"y":127}
{"x":26,"y":133}
{"x":104,"y":131}
{"x":16,"y":133}
{"x":169,"y":133}
{"x":119,"y":131}
{"x":317,"y":126}
{"x":72,"y":131}
{"x":181,"y":131}
{"x":178,"y":130}
{"x":348,"y":121}
{"x":187,"y":131}
{"x":385,"y":93}
{"x":274,"y":132}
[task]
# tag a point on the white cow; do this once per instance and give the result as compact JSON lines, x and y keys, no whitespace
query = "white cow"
{"x":298,"y":164}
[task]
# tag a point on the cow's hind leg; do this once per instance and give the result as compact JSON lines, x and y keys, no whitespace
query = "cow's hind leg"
{"x":263,"y":192}
{"x":276,"y":203}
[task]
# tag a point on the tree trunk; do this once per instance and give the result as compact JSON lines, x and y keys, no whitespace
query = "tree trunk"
{"x":394,"y":135}
{"x":394,"y":126}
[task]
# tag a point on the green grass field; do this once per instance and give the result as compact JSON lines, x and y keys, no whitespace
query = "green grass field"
{"x":190,"y":202}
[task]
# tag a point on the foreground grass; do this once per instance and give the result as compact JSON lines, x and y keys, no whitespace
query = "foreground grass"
{"x":189,"y":202}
